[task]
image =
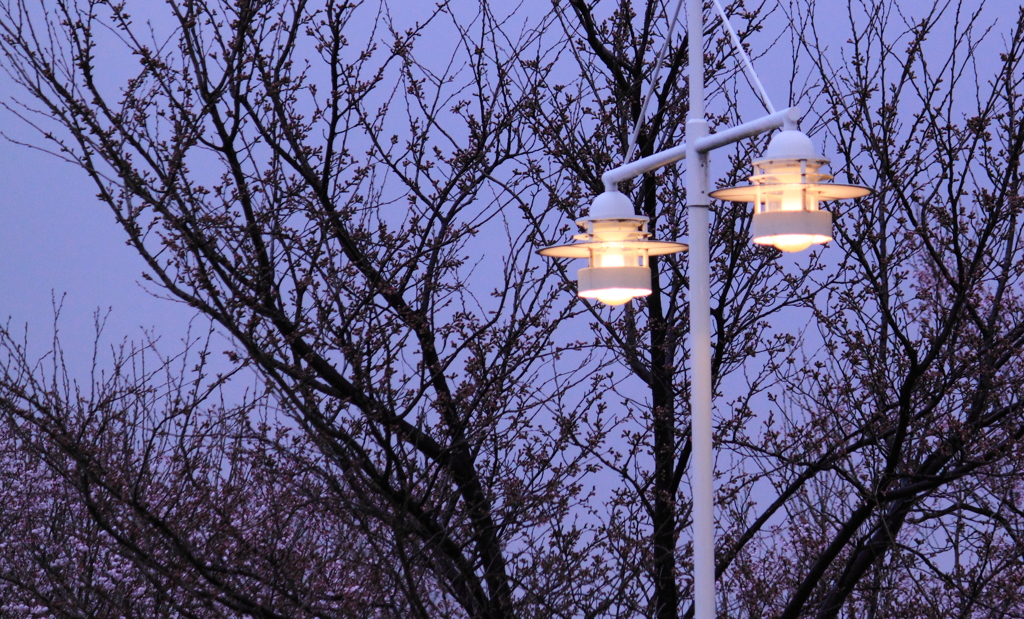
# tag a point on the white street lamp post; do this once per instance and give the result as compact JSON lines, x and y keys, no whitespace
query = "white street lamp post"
{"x":786,"y":193}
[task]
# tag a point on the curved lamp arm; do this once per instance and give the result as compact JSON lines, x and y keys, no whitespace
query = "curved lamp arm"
{"x":786,"y":119}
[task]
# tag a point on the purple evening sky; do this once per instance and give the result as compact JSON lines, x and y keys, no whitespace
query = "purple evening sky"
{"x":57,"y":240}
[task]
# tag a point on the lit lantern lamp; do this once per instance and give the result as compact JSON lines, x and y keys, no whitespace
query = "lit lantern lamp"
{"x":618,"y":246}
{"x":786,"y":188}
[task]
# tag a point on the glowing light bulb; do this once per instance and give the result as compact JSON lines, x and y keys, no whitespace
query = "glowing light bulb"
{"x":616,"y":296}
{"x":792,"y":199}
{"x":613,"y":259}
{"x":792,"y":242}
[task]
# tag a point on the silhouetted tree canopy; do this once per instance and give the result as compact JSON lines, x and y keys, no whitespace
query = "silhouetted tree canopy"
{"x":414,"y":415}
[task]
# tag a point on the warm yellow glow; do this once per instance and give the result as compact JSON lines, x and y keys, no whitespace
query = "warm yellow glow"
{"x":786,"y":197}
{"x":792,"y":242}
{"x":611,"y":259}
{"x":616,"y":296}
{"x":608,"y":298}
{"x":792,"y":198}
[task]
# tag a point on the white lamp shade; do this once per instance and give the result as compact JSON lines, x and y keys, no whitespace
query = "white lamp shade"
{"x":614,"y":285}
{"x":792,"y":231}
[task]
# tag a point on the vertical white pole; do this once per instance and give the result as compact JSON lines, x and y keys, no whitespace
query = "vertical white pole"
{"x":697,"y":181}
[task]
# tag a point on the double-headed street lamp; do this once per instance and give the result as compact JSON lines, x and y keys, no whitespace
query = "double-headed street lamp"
{"x":786,"y":190}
